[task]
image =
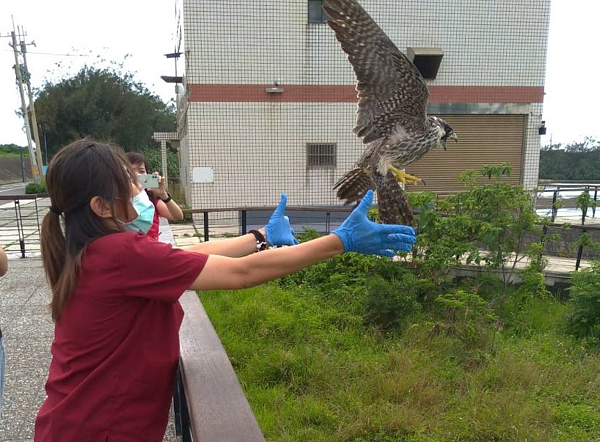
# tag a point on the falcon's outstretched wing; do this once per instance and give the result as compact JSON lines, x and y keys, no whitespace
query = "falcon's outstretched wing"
{"x":390,"y":88}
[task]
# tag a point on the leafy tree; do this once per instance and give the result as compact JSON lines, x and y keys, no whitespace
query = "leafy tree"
{"x":12,"y":149}
{"x":495,"y":217}
{"x":101,"y":104}
{"x":155,"y":161}
{"x":574,"y":161}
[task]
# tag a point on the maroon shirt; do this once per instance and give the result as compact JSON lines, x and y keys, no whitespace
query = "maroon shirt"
{"x":116,"y":346}
{"x":154,"y":231}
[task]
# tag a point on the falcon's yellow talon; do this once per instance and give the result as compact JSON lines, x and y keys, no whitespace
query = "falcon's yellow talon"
{"x":403,"y":177}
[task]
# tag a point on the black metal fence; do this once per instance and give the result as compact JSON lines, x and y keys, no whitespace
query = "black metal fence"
{"x":20,"y":220}
{"x":572,"y":201}
{"x":318,"y":218}
{"x":21,"y":215}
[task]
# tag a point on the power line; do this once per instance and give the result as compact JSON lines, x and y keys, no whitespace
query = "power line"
{"x":56,"y":55}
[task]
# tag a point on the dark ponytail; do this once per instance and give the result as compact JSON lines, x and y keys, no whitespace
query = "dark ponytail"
{"x":77,"y":173}
{"x":62,"y":275}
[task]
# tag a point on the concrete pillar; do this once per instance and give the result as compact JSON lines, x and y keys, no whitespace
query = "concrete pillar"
{"x":163,"y":151}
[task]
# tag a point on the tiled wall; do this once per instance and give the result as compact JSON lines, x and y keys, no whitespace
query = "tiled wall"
{"x":257,"y":149}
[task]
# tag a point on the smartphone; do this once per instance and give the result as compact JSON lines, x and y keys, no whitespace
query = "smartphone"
{"x":148,"y":181}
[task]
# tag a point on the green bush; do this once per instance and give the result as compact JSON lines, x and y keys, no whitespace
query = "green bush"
{"x":465,"y":315}
{"x":583,"y":319}
{"x":32,"y":188}
{"x":388,"y":304}
{"x":12,"y":150}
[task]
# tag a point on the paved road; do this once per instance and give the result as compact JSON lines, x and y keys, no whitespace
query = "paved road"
{"x":27,"y":334}
{"x":12,"y":189}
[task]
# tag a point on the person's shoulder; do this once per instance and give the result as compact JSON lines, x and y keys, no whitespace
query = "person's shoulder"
{"x":119,"y":240}
{"x":122,"y":247}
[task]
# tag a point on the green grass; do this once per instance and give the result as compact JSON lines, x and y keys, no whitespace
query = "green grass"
{"x":12,"y":154}
{"x":313,"y":371}
{"x":12,"y":150}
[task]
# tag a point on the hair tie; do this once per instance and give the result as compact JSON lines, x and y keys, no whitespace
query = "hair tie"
{"x":55,"y":210}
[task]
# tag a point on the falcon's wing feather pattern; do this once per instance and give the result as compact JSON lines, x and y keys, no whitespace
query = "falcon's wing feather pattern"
{"x":390,"y":88}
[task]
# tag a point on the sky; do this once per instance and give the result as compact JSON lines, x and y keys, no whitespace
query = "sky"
{"x":69,"y":34}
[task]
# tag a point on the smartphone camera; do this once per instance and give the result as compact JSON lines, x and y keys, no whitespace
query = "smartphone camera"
{"x":148,"y":181}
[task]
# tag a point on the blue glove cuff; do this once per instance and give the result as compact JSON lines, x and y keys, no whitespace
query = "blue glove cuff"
{"x":346,"y":241}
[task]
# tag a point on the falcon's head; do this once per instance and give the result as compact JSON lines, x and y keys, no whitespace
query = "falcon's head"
{"x":445,"y":132}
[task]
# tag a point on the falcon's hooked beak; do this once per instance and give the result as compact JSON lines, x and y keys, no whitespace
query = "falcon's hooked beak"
{"x":451,"y":136}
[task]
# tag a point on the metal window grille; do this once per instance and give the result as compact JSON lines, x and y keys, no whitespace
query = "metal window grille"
{"x":315,"y":12}
{"x":489,"y":80}
{"x":321,"y":155}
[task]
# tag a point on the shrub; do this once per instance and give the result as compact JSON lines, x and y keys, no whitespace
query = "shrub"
{"x":583,"y":319}
{"x":32,"y":188}
{"x":465,"y":315}
{"x":388,"y":304}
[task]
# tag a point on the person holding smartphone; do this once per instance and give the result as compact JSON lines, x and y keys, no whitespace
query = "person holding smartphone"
{"x":164,"y":204}
{"x":115,"y":292}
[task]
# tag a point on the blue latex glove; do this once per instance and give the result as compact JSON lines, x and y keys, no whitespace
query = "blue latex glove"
{"x":359,"y":234}
{"x":279,"y":231}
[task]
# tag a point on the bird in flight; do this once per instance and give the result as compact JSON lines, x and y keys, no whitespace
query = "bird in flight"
{"x":391,"y":120}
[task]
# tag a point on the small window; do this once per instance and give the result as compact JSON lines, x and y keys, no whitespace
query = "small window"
{"x":321,"y":155}
{"x":427,"y":60}
{"x":315,"y":12}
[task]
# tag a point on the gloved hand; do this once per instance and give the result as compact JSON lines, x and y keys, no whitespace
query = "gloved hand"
{"x":359,"y":234}
{"x":279,"y":231}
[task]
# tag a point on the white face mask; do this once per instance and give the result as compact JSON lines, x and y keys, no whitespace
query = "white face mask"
{"x":145,"y":211}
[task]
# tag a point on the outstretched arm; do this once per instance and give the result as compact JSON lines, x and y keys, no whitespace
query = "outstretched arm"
{"x":232,"y":247}
{"x":222,"y":272}
{"x":356,"y":234}
{"x":278,"y":232}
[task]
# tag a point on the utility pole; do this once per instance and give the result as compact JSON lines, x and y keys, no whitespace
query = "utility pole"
{"x":35,"y":170}
{"x":34,"y":125}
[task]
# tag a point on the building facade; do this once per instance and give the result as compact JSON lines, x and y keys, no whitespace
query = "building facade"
{"x":267,"y":102}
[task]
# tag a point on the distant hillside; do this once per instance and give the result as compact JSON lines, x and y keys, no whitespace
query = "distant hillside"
{"x":10,"y":169}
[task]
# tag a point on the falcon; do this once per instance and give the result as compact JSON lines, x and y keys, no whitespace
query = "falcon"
{"x":391,"y":117}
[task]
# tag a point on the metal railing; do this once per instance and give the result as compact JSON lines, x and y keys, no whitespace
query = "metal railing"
{"x":20,"y":220}
{"x":320,"y":218}
{"x":324,"y":219}
{"x":21,"y":215}
{"x":556,"y":190}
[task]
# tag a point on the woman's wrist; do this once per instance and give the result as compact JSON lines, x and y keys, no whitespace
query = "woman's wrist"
{"x":339,"y":243}
{"x":260,"y":239}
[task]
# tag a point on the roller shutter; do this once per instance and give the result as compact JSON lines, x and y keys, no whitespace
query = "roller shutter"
{"x":483,"y":139}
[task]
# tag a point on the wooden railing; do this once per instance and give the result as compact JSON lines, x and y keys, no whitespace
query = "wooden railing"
{"x":217,"y":408}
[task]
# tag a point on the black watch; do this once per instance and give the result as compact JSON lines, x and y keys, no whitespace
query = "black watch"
{"x":261,"y":241}
{"x":169,"y":198}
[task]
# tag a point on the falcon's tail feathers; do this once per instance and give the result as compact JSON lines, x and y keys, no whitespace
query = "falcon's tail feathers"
{"x":393,"y":204}
{"x":353,"y":186}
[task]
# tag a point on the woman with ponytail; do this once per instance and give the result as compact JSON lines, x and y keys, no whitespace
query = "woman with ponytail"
{"x":115,"y":292}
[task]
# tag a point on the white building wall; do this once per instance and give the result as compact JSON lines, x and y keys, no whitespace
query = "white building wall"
{"x":486,"y":43}
{"x":253,"y":166}
{"x":257,"y":149}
